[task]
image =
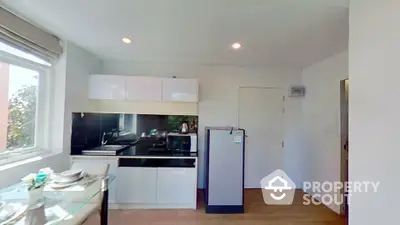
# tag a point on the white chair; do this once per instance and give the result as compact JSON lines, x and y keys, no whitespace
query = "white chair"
{"x":95,"y":203}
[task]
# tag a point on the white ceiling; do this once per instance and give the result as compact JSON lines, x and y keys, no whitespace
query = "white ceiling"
{"x":276,"y":33}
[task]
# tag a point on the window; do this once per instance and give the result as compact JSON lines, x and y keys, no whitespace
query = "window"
{"x":21,"y":84}
{"x":19,"y":105}
{"x":6,"y":48}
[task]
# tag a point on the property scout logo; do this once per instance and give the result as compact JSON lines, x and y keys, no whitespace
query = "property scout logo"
{"x":279,"y":189}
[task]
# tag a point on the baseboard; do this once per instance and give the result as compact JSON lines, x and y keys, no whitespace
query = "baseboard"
{"x":330,"y":207}
{"x":113,"y":206}
{"x":224,"y":209}
{"x":153,"y":206}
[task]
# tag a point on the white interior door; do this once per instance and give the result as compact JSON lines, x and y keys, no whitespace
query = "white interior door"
{"x":261,"y":115}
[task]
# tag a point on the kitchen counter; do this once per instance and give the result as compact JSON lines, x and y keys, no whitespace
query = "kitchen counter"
{"x":134,"y":151}
{"x":149,"y":179}
{"x":144,"y":151}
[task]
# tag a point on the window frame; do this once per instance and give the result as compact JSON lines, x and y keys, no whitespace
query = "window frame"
{"x":42,"y":111}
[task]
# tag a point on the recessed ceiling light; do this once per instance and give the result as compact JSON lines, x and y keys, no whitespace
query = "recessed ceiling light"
{"x":126,"y":40}
{"x":236,"y":45}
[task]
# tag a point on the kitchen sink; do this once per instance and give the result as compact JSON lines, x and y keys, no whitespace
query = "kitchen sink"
{"x":110,"y":147}
{"x":105,"y":150}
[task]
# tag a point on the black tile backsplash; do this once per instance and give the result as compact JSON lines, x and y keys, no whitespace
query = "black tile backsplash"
{"x":147,"y":122}
{"x":88,"y":128}
{"x":86,"y":131}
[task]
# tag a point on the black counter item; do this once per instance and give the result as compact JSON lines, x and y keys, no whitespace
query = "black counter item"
{"x":146,"y":162}
{"x":179,"y":142}
{"x":143,"y":150}
{"x":124,"y":138}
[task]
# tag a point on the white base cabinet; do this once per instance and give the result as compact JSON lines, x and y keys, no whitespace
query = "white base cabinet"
{"x":176,"y":185}
{"x":152,"y":188}
{"x":137,"y":185}
{"x":148,"y":187}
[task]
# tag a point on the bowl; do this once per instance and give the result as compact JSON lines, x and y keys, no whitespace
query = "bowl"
{"x":65,"y":180}
{"x":74,"y":173}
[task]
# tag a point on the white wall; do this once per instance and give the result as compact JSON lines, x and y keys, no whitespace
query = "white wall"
{"x":80,"y":63}
{"x":68,"y":86}
{"x":374,"y":50}
{"x":69,"y":92}
{"x":321,"y":136}
{"x":218,"y":104}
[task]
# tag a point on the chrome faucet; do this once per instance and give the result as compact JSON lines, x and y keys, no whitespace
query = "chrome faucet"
{"x":102,"y":139}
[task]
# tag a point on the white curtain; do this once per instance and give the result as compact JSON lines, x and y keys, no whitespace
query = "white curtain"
{"x":27,"y":37}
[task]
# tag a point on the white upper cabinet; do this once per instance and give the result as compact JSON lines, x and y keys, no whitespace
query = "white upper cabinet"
{"x":107,"y":87}
{"x":180,"y":90}
{"x":143,"y":88}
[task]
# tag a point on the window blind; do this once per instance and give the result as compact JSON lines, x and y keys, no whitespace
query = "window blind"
{"x":27,"y":37}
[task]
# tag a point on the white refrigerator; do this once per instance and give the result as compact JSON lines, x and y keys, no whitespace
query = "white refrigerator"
{"x":224,"y":176}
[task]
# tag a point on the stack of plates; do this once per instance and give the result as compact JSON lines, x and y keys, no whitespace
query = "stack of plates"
{"x":9,"y":212}
{"x":6,"y":212}
{"x":67,"y":178}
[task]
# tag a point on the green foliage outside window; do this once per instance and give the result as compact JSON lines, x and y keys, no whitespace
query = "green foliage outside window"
{"x":174,"y":122}
{"x":21,"y":118}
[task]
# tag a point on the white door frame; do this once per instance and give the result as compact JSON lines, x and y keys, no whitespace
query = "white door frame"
{"x":344,"y":128}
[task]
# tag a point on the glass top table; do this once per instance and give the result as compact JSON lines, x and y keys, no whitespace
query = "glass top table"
{"x":61,"y":206}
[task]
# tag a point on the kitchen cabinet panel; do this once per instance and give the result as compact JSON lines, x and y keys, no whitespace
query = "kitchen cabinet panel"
{"x":141,"y":88}
{"x":180,"y":89}
{"x":176,"y":185}
{"x":107,"y":87}
{"x":137,"y":185}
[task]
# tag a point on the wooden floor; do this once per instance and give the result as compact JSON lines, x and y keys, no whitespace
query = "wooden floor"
{"x":257,"y":213}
